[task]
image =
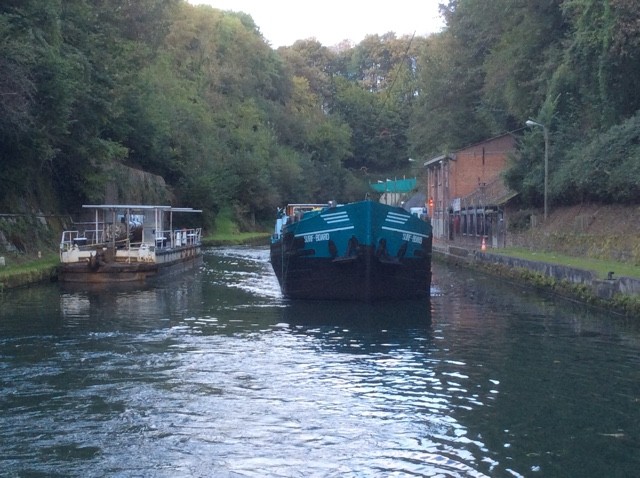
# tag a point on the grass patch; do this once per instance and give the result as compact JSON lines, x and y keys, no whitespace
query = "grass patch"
{"x":227,"y":232}
{"x":600,"y":267}
{"x":24,"y":270}
{"x":228,"y":239}
{"x":26,"y":265}
{"x":225,"y":225}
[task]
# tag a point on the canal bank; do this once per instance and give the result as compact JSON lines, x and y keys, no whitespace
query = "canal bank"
{"x":619,"y":294}
{"x":20,"y":270}
{"x":27,"y":272}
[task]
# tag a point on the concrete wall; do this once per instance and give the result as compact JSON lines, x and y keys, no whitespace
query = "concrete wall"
{"x":602,"y":291}
{"x":555,"y":271}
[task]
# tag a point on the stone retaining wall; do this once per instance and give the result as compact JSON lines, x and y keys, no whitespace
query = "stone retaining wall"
{"x":555,"y":271}
{"x":607,"y":290}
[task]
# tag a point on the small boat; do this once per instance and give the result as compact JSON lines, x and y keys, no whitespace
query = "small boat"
{"x":127,"y":243}
{"x":362,"y":251}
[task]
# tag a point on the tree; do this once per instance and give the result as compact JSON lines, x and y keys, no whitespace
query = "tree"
{"x":445,"y":113}
{"x":519,"y":65}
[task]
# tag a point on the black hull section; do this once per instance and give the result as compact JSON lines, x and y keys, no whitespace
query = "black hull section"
{"x":364,"y":277}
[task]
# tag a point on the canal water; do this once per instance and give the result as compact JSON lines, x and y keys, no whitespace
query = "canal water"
{"x":213,"y":374}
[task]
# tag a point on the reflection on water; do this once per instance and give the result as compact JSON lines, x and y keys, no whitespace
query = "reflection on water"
{"x":214,"y":374}
{"x":128,"y":306}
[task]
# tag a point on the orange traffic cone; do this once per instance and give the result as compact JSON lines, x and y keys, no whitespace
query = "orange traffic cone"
{"x":483,"y":247}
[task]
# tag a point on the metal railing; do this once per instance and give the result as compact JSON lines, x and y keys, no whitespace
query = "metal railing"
{"x":161,"y":239}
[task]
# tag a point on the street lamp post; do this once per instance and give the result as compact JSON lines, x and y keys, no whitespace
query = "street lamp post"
{"x":545,"y":133}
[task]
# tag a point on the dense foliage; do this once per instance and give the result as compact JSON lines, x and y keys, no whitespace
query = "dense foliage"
{"x":570,"y":65}
{"x":196,"y":96}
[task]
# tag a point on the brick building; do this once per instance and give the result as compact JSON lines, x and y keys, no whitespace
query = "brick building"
{"x":466,"y":194}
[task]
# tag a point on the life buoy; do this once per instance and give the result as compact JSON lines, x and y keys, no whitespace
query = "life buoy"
{"x":333,"y":250}
{"x":381,"y":252}
{"x":403,"y":250}
{"x":352,"y":247}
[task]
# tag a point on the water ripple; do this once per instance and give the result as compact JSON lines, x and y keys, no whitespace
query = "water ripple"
{"x":209,"y":376}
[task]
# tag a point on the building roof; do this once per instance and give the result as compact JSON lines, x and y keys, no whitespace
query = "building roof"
{"x":452,"y":155}
{"x":439,"y":159}
{"x":417,"y":200}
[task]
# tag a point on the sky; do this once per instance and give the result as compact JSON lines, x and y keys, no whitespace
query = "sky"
{"x":282,"y":22}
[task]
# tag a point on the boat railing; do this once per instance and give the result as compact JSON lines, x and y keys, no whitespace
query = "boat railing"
{"x":178,"y":238}
{"x":93,"y":238}
{"x":80,"y":238}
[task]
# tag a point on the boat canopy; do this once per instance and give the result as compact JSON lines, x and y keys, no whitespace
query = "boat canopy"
{"x":138,"y":207}
{"x":394,"y":185}
{"x":152,"y":218}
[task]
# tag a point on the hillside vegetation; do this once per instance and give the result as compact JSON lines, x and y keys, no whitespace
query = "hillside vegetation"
{"x":92,"y":91}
